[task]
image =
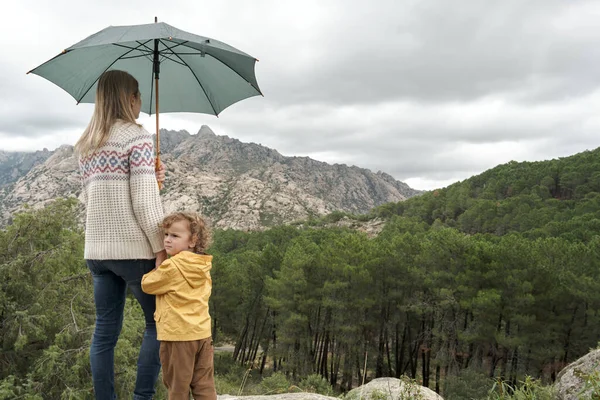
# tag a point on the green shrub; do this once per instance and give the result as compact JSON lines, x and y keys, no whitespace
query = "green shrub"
{"x":224,"y":386}
{"x":316,"y":384}
{"x":334,"y":217}
{"x":529,"y":389}
{"x":469,"y":384}
{"x":275,"y":384}
{"x":591,"y":384}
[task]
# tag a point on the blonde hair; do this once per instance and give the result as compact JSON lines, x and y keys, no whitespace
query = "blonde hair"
{"x":199,"y":229}
{"x":113,"y":96}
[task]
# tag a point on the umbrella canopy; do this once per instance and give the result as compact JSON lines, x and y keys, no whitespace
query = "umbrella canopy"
{"x":197,"y":74}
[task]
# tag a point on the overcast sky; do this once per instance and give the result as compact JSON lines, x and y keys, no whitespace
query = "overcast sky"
{"x":429,"y":91}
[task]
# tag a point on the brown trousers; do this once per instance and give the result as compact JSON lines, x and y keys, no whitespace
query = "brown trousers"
{"x":188,"y":365}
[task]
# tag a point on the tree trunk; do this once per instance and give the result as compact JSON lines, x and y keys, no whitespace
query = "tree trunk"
{"x":413,"y":352}
{"x":336,"y":360}
{"x":387,"y":352}
{"x":347,"y":371}
{"x":250,"y":346}
{"x":380,"y":349}
{"x":274,"y":349}
{"x":358,"y":367}
{"x":324,"y":354}
{"x":315,"y":344}
{"x":214,"y":329}
{"x":512,"y":376}
{"x":471,"y":354}
{"x":260,"y":335}
{"x":423,"y":349}
{"x":504,"y":352}
{"x":241,"y":341}
{"x":399,"y":349}
{"x":495,"y":349}
{"x":567,"y":341}
{"x":264,"y":358}
{"x":425,"y":357}
{"x":426,"y":351}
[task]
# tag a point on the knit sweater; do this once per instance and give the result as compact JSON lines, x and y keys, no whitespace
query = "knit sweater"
{"x":123,"y":206}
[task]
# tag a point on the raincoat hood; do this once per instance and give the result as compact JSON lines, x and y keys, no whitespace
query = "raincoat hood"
{"x":193,"y":267}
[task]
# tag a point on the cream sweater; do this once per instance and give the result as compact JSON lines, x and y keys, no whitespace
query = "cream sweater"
{"x":123,"y":207}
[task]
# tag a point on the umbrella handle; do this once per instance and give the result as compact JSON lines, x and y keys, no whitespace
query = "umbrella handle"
{"x":156,"y":168}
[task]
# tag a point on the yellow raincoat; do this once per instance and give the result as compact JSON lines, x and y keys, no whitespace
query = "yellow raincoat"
{"x":182,"y":286}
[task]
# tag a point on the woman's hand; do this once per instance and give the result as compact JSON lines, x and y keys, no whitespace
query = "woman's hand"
{"x":161,"y":256}
{"x":160,"y":173}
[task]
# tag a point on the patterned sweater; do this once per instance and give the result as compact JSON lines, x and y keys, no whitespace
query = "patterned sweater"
{"x":123,"y":206}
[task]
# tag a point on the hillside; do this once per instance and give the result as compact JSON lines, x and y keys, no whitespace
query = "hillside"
{"x":559,"y":197}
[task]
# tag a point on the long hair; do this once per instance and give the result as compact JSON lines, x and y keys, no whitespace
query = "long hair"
{"x":113,"y":102}
{"x":199,"y":230}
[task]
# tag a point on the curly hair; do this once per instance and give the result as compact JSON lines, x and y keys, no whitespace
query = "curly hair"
{"x":198,"y":228}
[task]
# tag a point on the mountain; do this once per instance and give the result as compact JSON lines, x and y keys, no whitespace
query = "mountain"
{"x":14,"y":165}
{"x":237,"y":185}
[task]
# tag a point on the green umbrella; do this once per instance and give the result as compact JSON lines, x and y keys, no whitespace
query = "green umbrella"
{"x":199,"y":74}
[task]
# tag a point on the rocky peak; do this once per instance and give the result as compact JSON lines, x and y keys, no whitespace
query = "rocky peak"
{"x":169,"y":140}
{"x":206,"y":149}
{"x":14,"y":165}
{"x":205,"y":131}
{"x":237,"y":185}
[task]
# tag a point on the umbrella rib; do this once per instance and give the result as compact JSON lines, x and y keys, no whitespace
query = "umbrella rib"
{"x":225,"y":64}
{"x":185,"y":54}
{"x":175,"y":61}
{"x":130,"y":57}
{"x":53,"y":58}
{"x":93,"y":83}
{"x":106,"y":69}
{"x":168,"y":51}
{"x":199,"y":83}
{"x":146,"y":51}
{"x":176,"y":45}
{"x":134,"y":48}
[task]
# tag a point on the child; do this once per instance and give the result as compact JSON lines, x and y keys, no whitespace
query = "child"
{"x":182,"y":286}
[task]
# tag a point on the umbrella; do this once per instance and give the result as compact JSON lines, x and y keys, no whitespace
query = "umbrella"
{"x":199,"y":74}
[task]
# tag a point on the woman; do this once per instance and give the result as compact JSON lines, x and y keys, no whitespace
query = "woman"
{"x":122,"y":237}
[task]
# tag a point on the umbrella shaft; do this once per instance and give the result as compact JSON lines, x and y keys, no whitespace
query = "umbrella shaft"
{"x":157,"y":129}
{"x":157,"y":125}
{"x":156,"y":62}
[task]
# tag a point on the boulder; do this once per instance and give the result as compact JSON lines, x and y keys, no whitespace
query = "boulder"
{"x":392,"y":388}
{"x":571,"y":380}
{"x":284,"y":396}
{"x":377,"y":389}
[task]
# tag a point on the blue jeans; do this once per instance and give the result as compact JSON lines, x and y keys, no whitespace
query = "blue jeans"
{"x":111,"y":279}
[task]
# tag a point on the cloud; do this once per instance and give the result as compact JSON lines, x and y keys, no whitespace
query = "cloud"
{"x":430,"y":92}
